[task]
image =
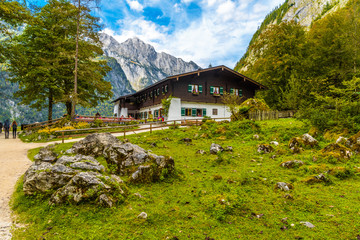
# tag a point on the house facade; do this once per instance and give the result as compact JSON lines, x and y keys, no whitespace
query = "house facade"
{"x":195,"y":95}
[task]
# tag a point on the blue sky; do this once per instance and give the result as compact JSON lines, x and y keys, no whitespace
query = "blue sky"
{"x":207,"y":32}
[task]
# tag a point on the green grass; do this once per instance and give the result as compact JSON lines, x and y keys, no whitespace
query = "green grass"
{"x":225,"y":196}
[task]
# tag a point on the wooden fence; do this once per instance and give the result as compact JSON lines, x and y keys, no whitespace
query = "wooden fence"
{"x":270,"y":115}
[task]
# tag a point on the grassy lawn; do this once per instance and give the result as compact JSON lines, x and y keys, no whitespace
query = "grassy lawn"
{"x":226,"y":196}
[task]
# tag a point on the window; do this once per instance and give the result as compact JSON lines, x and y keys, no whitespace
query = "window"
{"x":166,"y":88}
{"x":214,"y":111}
{"x":151,"y":94}
{"x":195,"y":89}
{"x":236,"y":91}
{"x":158,"y":91}
{"x":193,"y":112}
{"x":156,"y":113}
{"x":216,"y":91}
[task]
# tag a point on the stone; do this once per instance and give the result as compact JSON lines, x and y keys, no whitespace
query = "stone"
{"x":337,"y":151}
{"x":215,"y":148}
{"x":296,"y":144}
{"x":142,"y":215}
{"x":354,"y":143}
{"x":138,"y":195}
{"x":188,"y":140}
{"x":275,"y":143}
{"x":94,"y":144}
{"x":318,"y":179}
{"x":265,"y":148}
{"x":341,"y":140}
{"x":256,"y":136}
{"x":229,"y":148}
{"x":86,"y":186}
{"x":309,"y":140}
{"x":292,"y":164}
{"x":46,"y":155}
{"x":308,"y":224}
{"x":202,"y":152}
{"x":69,"y":151}
{"x":283,"y":186}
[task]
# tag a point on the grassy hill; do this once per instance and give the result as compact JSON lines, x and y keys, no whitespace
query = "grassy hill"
{"x":231,"y":195}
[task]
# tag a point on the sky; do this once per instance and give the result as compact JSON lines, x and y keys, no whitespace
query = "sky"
{"x":215,"y":32}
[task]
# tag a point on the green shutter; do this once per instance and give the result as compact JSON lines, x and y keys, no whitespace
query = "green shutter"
{"x":221,"y":90}
{"x":182,"y":111}
{"x":240,"y":92}
{"x":200,"y":88}
{"x":193,"y":112}
{"x":211,"y":90}
{"x":231,"y":91}
{"x":204,"y":112}
{"x":190,"y":88}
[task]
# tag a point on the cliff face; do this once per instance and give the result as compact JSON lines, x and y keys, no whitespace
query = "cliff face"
{"x":141,"y":64}
{"x":302,"y":11}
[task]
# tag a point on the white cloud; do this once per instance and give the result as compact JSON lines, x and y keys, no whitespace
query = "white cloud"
{"x":219,"y":37}
{"x":135,"y":5}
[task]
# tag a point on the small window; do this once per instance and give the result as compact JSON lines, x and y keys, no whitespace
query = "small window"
{"x":216,"y":91}
{"x":166,"y":88}
{"x":158,"y":91}
{"x":187,"y":111}
{"x":236,"y":91}
{"x":214,"y":111}
{"x":151,"y":94}
{"x":162,"y":90}
{"x":195,"y":89}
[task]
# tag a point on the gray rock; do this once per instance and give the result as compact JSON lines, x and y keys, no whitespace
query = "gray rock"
{"x":105,"y":200}
{"x":275,"y":143}
{"x":143,"y":215}
{"x":138,"y":195}
{"x":309,"y":140}
{"x":265,"y":148}
{"x":202,"y":152}
{"x":256,"y":136}
{"x":308,"y":224}
{"x":69,"y":151}
{"x":229,"y":148}
{"x":88,"y":166}
{"x":215,"y":148}
{"x":283,"y":186}
{"x":292,"y":164}
{"x":46,"y":155}
{"x":94,"y":144}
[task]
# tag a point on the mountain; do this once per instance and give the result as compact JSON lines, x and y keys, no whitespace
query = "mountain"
{"x":141,"y":64}
{"x":134,"y":64}
{"x":305,"y":12}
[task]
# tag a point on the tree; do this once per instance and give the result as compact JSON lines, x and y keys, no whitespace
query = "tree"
{"x":280,"y":53}
{"x":42,"y":60}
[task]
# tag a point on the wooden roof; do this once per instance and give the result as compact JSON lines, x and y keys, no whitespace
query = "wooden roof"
{"x":198,"y":72}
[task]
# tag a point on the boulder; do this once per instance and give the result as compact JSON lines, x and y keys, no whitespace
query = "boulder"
{"x":354,"y":143}
{"x":94,"y":144}
{"x":322,"y":177}
{"x":86,"y":186}
{"x":46,"y":155}
{"x":308,"y":140}
{"x":292,"y":164}
{"x":265,"y":148}
{"x":337,"y":151}
{"x":275,"y":143}
{"x":215,"y":148}
{"x":296,"y":144}
{"x":283,"y":186}
{"x":341,"y":140}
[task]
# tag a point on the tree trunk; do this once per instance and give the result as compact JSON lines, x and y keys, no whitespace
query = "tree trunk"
{"x":68,"y":108}
{"x":51,"y":102}
{"x":74,"y":99}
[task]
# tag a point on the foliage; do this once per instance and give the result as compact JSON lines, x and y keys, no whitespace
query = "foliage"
{"x":166,"y":104}
{"x":47,"y":78}
{"x":232,"y":101}
{"x":211,"y":198}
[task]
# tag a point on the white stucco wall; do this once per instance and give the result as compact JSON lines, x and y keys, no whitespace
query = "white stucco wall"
{"x":175,"y":109}
{"x":221,"y":109}
{"x":123,"y":112}
{"x":116,"y":109}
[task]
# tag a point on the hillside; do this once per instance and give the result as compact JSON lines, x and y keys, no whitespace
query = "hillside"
{"x":305,"y":12}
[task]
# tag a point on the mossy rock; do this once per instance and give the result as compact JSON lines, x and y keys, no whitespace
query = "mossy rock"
{"x":314,"y":131}
{"x":337,"y":151}
{"x":296,"y":144}
{"x":321,"y":178}
{"x":354,"y":143}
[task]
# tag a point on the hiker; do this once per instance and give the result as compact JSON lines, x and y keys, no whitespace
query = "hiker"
{"x":6,"y":128}
{"x":1,"y":126}
{"x":14,"y":128}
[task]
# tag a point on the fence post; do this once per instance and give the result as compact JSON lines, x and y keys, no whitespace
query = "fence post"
{"x":62,"y":137}
{"x":124,"y":132}
{"x":150,"y":127}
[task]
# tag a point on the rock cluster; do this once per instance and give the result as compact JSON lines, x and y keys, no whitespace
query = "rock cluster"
{"x":292,"y":164}
{"x":265,"y":148}
{"x":296,"y":144}
{"x":81,"y":177}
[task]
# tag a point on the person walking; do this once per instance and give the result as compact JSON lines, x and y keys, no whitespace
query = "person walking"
{"x":7,"y":128}
{"x":14,"y":128}
{"x":1,"y":126}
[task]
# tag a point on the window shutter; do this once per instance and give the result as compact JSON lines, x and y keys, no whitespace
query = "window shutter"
{"x":221,"y":90}
{"x":200,"y":88}
{"x":240,"y":92}
{"x":231,"y":91}
{"x":193,"y":112}
{"x":211,"y":90}
{"x":182,"y":111}
{"x":190,"y":87}
{"x":204,"y":112}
